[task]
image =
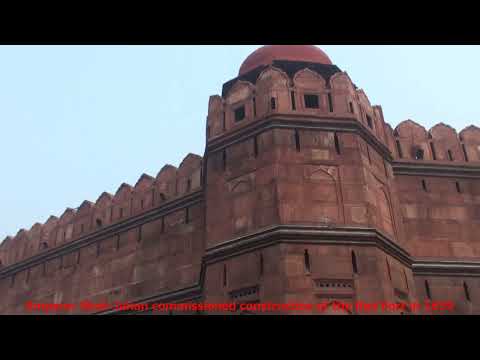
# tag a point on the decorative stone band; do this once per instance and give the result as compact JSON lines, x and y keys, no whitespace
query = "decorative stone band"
{"x":435,"y":169}
{"x":313,"y":235}
{"x":346,"y":124}
{"x":306,"y":235}
{"x":326,"y":123}
{"x":446,"y":268}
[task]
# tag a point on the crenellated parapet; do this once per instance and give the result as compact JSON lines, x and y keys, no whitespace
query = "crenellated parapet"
{"x":292,"y":89}
{"x":128,"y":201}
{"x":442,"y":143}
{"x":305,"y":193}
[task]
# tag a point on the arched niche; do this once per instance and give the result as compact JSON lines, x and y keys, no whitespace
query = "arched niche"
{"x":272,"y":92}
{"x":343,"y":94}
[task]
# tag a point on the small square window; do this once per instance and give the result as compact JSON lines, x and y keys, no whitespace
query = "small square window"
{"x":240,"y":113}
{"x":311,"y":102}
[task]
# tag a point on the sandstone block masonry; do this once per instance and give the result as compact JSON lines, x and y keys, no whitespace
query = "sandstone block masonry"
{"x":304,"y":194}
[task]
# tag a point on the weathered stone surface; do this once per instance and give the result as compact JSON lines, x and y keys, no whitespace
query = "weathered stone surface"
{"x":292,"y":203}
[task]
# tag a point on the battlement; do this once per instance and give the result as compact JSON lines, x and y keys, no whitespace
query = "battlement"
{"x":128,"y":201}
{"x":305,"y":192}
{"x":292,"y":89}
{"x":442,"y":143}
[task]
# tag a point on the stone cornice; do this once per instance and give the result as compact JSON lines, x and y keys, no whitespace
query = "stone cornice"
{"x":421,"y":168}
{"x":345,"y":124}
{"x":292,"y":121}
{"x":314,"y":235}
{"x":104,"y":233}
{"x":460,"y":268}
{"x":324,"y":235}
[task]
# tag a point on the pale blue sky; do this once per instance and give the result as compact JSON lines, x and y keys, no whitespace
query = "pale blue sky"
{"x":80,"y":120}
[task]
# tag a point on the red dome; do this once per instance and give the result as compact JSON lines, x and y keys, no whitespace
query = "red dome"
{"x":267,"y":54}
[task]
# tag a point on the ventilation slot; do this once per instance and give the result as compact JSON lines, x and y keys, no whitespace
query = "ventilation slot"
{"x":273,"y":103}
{"x":465,"y":152}
{"x":306,"y":260}
{"x":388,"y":269}
{"x":457,"y":185}
{"x":450,"y":155}
{"x":467,"y":292}
{"x":297,"y":140}
{"x":224,"y":160}
{"x":337,"y":143}
{"x":424,"y":186}
{"x":434,"y":154}
{"x":399,"y":149}
{"x":354,"y":263}
{"x":406,"y":279}
{"x":427,"y":290}
{"x":261,"y":265}
{"x":224,"y":275}
{"x":330,"y":102}
{"x":292,"y":96}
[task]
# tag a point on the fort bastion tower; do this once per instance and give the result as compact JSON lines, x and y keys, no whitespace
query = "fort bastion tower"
{"x":304,"y":195}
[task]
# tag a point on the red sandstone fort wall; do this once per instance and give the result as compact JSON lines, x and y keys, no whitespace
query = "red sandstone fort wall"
{"x":290,"y":203}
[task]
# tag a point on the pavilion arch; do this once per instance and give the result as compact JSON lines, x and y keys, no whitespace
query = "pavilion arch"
{"x":343,"y":94}
{"x":272,"y":78}
{"x":310,"y":80}
{"x":272,"y":92}
{"x":240,"y":92}
{"x":341,"y":81}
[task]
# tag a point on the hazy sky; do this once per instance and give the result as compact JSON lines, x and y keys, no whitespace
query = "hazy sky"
{"x":80,"y":120}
